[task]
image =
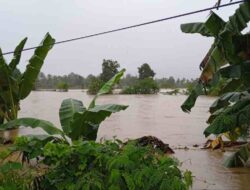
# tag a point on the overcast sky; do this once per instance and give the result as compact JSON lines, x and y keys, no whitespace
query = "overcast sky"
{"x":169,"y":51}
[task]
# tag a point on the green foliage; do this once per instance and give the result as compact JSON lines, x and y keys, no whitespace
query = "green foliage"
{"x":230,"y":117}
{"x":85,"y":125}
{"x":230,"y":46}
{"x":94,"y":85}
{"x":91,"y":165}
{"x":240,"y":158}
{"x":14,"y":85}
{"x":128,"y":80}
{"x":77,"y":121}
{"x":32,"y":146}
{"x":47,"y":126}
{"x":193,"y":28}
{"x":76,"y":81}
{"x":63,"y":86}
{"x":144,"y":86}
{"x":108,"y":86}
{"x":216,"y":89}
{"x":35,"y":64}
{"x":109,"y":69}
{"x":73,"y":80}
{"x":145,"y":71}
{"x":67,"y":110}
{"x":14,"y":177}
{"x":175,"y":83}
{"x":230,"y":113}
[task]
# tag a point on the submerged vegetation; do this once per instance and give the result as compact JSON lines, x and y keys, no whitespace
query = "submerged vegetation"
{"x":227,"y":60}
{"x":63,"y":86}
{"x":109,"y":69}
{"x":145,"y":84}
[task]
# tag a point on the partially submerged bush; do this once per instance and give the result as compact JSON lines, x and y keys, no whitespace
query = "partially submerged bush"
{"x":62,"y":86}
{"x":144,"y":86}
{"x":95,"y":85}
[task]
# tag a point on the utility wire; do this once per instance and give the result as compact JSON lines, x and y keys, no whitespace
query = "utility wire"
{"x":134,"y":26}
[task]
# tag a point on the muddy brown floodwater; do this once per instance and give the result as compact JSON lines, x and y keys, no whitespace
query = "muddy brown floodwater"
{"x":156,"y":115}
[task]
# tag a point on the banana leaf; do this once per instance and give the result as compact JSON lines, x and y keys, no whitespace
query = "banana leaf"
{"x":227,"y":99}
{"x":214,"y":24}
{"x":231,"y":85}
{"x":17,"y":54}
{"x":88,"y":122}
{"x":232,"y":71}
{"x":33,"y":68}
{"x":232,"y":117}
{"x":68,"y":108}
{"x":47,"y":126}
{"x":4,"y":73}
{"x":193,"y":28}
{"x":190,"y":101}
{"x":224,"y":49}
{"x":210,"y":28}
{"x":240,"y":158}
{"x":239,"y":20}
{"x":107,"y":87}
{"x":5,"y":89}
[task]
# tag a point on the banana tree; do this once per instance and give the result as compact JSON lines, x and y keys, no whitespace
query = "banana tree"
{"x":77,"y":121}
{"x":227,"y":59}
{"x":16,"y":86}
{"x":230,"y":48}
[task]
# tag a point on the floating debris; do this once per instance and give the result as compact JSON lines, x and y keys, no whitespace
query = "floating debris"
{"x":156,"y":143}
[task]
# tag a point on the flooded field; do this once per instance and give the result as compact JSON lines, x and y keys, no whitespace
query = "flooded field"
{"x":156,"y":115}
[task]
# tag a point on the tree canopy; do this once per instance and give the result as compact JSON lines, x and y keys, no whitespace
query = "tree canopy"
{"x":145,"y":71}
{"x":109,"y":69}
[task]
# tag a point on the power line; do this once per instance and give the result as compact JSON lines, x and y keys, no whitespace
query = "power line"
{"x":135,"y":26}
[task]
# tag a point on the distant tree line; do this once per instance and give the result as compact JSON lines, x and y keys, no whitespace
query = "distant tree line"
{"x":74,"y":81}
{"x":109,"y":69}
{"x":171,"y":82}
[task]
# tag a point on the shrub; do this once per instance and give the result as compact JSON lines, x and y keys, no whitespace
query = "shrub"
{"x":112,"y":165}
{"x":63,"y":86}
{"x":13,"y":176}
{"x":95,"y":85}
{"x":144,"y":86}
